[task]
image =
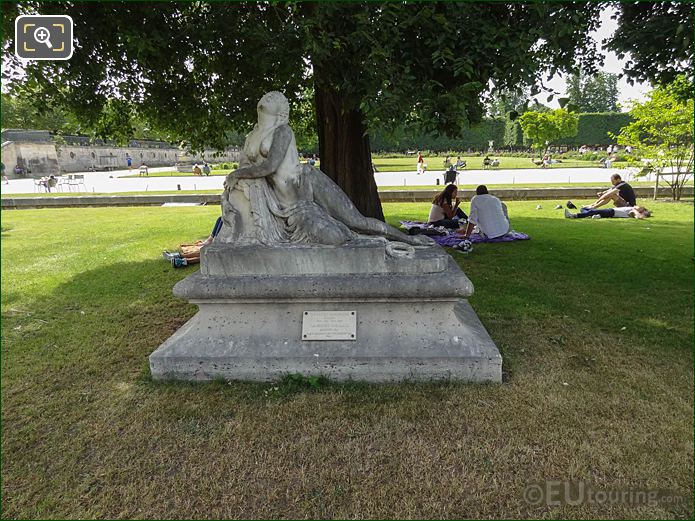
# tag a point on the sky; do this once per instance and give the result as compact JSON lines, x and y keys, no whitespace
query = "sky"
{"x":611,"y":64}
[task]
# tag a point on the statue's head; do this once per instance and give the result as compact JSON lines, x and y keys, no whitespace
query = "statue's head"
{"x":274,"y":103}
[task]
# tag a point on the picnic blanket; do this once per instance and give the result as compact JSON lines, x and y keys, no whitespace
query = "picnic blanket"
{"x":451,"y":238}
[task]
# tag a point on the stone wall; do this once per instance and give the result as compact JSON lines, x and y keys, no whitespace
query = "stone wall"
{"x":39,"y":155}
{"x":37,"y":159}
{"x":78,"y":158}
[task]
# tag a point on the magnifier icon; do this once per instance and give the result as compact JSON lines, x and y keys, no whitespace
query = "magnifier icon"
{"x":43,"y":35}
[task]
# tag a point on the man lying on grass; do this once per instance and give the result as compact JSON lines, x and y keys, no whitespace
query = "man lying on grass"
{"x":638,"y":212}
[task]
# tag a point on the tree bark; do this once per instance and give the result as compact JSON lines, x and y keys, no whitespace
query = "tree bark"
{"x":344,"y":150}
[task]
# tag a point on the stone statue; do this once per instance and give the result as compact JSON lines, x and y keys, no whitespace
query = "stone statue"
{"x":272,"y":199}
{"x":298,"y":281}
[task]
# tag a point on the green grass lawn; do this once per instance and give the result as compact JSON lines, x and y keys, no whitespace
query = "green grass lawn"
{"x":594,"y":319}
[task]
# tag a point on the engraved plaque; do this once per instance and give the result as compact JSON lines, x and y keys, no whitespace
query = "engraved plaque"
{"x":329,"y":325}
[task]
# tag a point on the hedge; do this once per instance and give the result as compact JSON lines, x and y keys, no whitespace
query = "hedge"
{"x":593,"y":130}
{"x":475,"y":137}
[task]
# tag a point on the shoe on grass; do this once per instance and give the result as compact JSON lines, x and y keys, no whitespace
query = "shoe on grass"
{"x":558,"y":207}
{"x":570,"y":205}
{"x":596,"y":216}
{"x":569,"y":215}
{"x":178,"y":262}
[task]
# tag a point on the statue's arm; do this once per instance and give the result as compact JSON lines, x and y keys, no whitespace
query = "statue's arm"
{"x":244,"y":160}
{"x":281,"y":141}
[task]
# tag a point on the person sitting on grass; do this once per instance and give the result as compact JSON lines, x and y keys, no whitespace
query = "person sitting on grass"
{"x":190,"y":253}
{"x":489,"y":214}
{"x":487,"y":162}
{"x":638,"y":212}
{"x":621,"y":194}
{"x":445,"y":209}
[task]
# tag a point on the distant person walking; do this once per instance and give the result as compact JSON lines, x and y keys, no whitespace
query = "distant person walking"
{"x":420,"y":163}
{"x":129,"y":160}
{"x":144,"y":170}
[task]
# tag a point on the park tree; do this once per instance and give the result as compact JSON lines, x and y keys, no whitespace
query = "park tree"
{"x":656,"y":38}
{"x":545,"y":128}
{"x":592,"y":92}
{"x":662,"y":131}
{"x":19,"y":112}
{"x":505,"y":102}
{"x":118,"y":120}
{"x":196,"y":69}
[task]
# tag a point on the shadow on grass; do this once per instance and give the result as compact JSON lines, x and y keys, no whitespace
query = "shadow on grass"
{"x":118,"y":314}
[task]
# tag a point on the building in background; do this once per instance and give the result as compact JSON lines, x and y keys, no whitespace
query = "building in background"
{"x":37,"y":153}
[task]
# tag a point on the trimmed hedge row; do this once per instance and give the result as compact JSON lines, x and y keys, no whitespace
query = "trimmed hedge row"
{"x":593,"y":130}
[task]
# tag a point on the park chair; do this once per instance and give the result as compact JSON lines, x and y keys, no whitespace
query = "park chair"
{"x":62,"y":183}
{"x":76,"y":181}
{"x":450,"y":176}
{"x":39,"y":186}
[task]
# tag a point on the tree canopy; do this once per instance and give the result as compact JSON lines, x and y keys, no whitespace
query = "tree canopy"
{"x":656,"y":39}
{"x":545,"y":128}
{"x":662,"y":130}
{"x":592,"y":93}
{"x":502,"y":103}
{"x":197,"y":69}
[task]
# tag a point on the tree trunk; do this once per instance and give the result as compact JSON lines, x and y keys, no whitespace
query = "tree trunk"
{"x":344,"y":150}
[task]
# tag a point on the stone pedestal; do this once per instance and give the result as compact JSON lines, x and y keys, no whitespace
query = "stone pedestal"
{"x":412,"y":319}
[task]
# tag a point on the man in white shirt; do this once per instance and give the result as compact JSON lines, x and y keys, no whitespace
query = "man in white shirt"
{"x":488,"y":213}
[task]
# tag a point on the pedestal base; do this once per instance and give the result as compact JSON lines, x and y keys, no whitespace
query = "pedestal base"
{"x":408,"y":326}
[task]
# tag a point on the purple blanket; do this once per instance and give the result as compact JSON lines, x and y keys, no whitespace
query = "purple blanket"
{"x":452,"y":238}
